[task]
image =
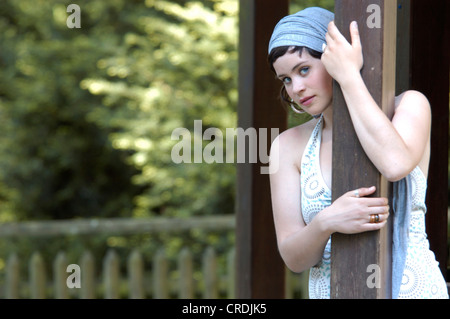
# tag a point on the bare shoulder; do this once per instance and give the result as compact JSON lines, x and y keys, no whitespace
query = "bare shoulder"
{"x":412,"y":101}
{"x":296,"y":136}
{"x":413,"y":109}
{"x":290,"y":144}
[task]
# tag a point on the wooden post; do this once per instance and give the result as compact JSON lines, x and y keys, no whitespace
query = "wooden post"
{"x":136,"y":275}
{"x":160,"y":271}
{"x":88,"y":278}
{"x":210,"y":274}
{"x":60,"y":276}
{"x":111,"y":275}
{"x":360,"y":261}
{"x":12,"y":277}
{"x":260,"y":270}
{"x":37,"y":276}
{"x":185,"y":267}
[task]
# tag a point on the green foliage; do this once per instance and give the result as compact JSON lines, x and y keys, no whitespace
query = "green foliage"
{"x":297,"y":5}
{"x":87,"y":114}
{"x":54,"y":163}
{"x":176,"y":65}
{"x":87,"y":117}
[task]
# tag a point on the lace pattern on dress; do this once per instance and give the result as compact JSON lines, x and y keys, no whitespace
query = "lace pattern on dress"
{"x":421,"y":278}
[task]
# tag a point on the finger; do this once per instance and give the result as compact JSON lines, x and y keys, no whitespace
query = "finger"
{"x":334,"y":32}
{"x":377,"y":209}
{"x":354,"y":33}
{"x":362,"y":192}
{"x":374,"y":203}
{"x":373,"y":226}
{"x":376,"y":218}
{"x":383,"y":214}
{"x":383,"y":217}
{"x":328,"y":38}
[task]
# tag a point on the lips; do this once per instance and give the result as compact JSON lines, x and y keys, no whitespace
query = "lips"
{"x":307,"y":100}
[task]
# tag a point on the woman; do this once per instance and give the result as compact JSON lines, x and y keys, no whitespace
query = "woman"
{"x":305,"y":57}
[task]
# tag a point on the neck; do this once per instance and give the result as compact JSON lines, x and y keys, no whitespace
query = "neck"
{"x":328,"y":118}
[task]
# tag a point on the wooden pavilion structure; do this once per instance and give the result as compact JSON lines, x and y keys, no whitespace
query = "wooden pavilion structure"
{"x":411,"y":50}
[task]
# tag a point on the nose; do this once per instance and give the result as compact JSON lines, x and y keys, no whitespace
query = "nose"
{"x":298,"y":86}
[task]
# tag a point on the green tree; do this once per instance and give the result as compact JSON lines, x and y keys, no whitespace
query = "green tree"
{"x":297,"y":5}
{"x":87,"y":114}
{"x":54,"y":162}
{"x":177,"y":64}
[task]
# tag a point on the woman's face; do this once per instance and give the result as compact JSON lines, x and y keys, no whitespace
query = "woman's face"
{"x":306,"y":81}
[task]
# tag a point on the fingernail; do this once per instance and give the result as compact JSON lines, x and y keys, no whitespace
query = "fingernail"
{"x":355,"y":24}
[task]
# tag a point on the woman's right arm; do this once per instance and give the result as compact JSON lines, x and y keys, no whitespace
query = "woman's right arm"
{"x":301,"y":246}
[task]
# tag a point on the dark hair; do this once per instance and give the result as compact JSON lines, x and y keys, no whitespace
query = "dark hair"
{"x":279,"y":52}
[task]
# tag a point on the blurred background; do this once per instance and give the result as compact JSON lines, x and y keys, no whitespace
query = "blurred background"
{"x":87,"y":116}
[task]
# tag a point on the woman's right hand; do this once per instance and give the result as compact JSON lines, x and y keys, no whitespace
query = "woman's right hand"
{"x":351,"y":213}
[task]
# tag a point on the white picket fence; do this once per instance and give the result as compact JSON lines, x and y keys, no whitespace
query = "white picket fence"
{"x":156,"y":279}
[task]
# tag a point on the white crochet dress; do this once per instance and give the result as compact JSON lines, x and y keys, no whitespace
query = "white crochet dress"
{"x":421,"y":277}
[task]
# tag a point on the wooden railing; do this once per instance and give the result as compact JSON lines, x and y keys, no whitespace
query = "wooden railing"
{"x":130,"y":278}
{"x":138,"y":282}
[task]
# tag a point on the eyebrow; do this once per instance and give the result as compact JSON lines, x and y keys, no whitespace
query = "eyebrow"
{"x":292,"y":70}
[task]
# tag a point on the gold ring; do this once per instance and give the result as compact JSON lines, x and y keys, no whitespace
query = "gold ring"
{"x":375,"y":218}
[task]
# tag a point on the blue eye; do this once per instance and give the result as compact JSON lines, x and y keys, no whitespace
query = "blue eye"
{"x":304,"y":71}
{"x":287,"y":80}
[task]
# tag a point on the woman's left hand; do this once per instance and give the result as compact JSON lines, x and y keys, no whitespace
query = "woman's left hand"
{"x":340,"y":58}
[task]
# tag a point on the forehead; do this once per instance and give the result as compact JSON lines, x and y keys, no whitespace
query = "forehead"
{"x":285,"y":63}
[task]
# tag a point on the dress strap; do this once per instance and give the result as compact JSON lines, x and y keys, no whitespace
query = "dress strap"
{"x":314,"y":141}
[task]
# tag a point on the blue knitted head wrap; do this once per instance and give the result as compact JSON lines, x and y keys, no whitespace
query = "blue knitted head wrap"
{"x":305,"y":28}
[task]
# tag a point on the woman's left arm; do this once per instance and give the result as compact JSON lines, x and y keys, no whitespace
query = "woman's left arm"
{"x":394,"y":146}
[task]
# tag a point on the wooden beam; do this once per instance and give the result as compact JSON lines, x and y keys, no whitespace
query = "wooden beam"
{"x":351,"y":255}
{"x":260,"y":270}
{"x":430,"y":70}
{"x":115,"y":226}
{"x":403,"y":63}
